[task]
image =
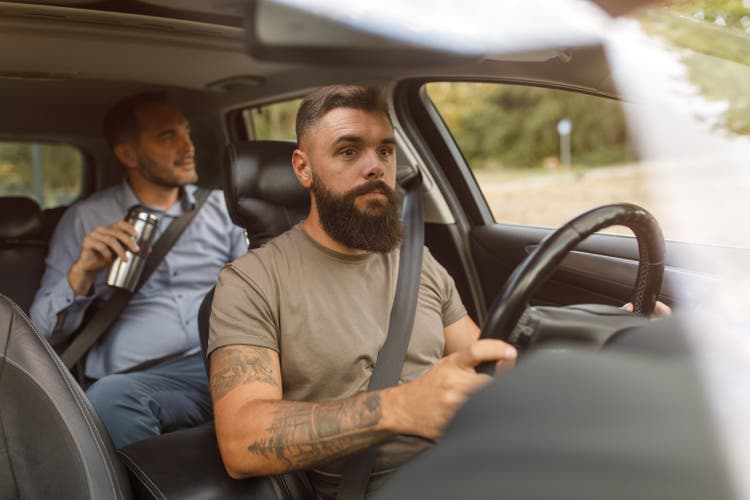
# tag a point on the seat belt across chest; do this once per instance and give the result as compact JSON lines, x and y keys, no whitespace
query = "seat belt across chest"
{"x":391,"y":357}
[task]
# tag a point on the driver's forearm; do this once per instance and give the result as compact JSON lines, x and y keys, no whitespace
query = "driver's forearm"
{"x":282,"y":436}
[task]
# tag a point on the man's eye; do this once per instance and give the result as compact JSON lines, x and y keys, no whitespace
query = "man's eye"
{"x":386,"y":152}
{"x":347,"y":152}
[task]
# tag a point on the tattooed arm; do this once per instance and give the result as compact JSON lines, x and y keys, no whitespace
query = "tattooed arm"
{"x":259,"y":434}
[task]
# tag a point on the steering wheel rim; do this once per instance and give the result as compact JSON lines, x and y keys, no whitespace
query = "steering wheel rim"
{"x":536,"y":269}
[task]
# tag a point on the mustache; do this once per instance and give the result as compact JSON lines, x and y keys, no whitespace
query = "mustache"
{"x":371,"y":187}
{"x":184,"y":159}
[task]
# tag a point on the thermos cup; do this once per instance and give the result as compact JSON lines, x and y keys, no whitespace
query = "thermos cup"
{"x":125,"y":274}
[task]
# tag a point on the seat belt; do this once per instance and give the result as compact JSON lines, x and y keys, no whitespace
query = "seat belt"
{"x":104,"y":317}
{"x":387,"y":371}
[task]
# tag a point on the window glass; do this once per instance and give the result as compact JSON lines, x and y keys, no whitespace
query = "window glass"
{"x":273,"y":121}
{"x":542,"y":156}
{"x":52,"y":174}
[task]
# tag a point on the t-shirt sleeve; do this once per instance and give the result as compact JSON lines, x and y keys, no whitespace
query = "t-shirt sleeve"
{"x":243,"y":311}
{"x":453,"y":308}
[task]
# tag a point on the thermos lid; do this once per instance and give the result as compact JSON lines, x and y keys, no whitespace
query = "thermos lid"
{"x":143,"y":213}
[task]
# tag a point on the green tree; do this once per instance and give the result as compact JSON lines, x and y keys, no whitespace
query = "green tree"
{"x":275,"y":121}
{"x":715,"y":34}
{"x":733,"y":13}
{"x":498,"y":125}
{"x":59,"y":177}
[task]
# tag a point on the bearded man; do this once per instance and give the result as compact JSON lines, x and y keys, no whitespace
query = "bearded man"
{"x":296,"y":325}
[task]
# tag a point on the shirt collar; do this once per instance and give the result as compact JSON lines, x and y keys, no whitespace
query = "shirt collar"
{"x":186,"y":200}
{"x":187,"y":197}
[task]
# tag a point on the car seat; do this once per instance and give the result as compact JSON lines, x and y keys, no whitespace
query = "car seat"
{"x":22,"y":249}
{"x":264,"y":197}
{"x":52,"y":444}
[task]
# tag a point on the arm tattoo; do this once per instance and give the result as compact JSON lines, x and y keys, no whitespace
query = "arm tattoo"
{"x":235,"y":366}
{"x":302,"y":435}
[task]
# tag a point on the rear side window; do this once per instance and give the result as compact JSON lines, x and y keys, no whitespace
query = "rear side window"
{"x":273,"y":121}
{"x":50,"y":173}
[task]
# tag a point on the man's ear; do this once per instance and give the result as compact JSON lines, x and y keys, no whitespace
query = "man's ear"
{"x":302,"y":168}
{"x":126,"y":154}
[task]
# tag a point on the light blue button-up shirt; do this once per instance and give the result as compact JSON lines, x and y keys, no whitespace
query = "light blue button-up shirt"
{"x":161,"y":318}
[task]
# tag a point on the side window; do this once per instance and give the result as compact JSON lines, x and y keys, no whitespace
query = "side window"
{"x":273,"y":121}
{"x":542,"y":156}
{"x":50,"y":173}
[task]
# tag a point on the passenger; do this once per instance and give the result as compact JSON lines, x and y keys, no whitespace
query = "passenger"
{"x":296,"y":325}
{"x":151,"y":139}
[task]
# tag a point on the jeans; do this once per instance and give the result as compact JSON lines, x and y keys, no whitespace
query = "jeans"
{"x":168,"y":396}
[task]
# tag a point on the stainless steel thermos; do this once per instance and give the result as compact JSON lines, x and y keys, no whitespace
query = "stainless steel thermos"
{"x":125,"y":274}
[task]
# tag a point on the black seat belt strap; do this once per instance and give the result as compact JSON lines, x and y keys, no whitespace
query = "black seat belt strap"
{"x":391,"y":357}
{"x":104,"y":317}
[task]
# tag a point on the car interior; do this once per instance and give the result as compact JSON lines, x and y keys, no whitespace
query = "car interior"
{"x":63,"y":63}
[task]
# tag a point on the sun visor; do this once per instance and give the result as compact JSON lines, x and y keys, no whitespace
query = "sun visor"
{"x":310,"y":33}
{"x":418,"y":32}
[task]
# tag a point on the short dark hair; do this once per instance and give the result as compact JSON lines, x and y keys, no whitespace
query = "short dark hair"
{"x":120,"y":123}
{"x":320,"y":101}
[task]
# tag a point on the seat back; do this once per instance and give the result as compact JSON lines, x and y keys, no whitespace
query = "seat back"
{"x":52,"y":445}
{"x":186,"y":464}
{"x":263,"y":196}
{"x":262,"y":193}
{"x":22,"y":249}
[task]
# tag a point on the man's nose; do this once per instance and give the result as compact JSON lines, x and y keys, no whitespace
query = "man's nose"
{"x":374,"y":167}
{"x":186,"y":145}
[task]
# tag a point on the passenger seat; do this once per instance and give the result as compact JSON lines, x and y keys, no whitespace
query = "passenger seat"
{"x":23,"y":249}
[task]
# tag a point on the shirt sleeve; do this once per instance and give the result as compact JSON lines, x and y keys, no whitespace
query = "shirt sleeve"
{"x":55,"y":294}
{"x":236,"y":234}
{"x":242,"y":310}
{"x":239,"y":242}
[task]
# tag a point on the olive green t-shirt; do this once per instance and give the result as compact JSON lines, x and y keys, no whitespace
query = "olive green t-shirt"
{"x":327,"y":315}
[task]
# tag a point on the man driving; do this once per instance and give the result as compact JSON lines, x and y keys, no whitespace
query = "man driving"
{"x":297,"y":324}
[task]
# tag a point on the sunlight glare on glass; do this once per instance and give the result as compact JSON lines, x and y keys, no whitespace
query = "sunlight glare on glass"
{"x":488,"y":26}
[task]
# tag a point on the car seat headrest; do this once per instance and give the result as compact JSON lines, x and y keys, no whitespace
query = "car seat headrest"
{"x":22,"y":218}
{"x":262,"y":193}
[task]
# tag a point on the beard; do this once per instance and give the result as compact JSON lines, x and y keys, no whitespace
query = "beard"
{"x":161,"y":176}
{"x":376,"y":228}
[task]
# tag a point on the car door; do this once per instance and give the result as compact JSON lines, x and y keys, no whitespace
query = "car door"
{"x":511,"y":170}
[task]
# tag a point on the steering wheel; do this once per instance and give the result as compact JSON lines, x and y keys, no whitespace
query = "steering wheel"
{"x":534,"y":271}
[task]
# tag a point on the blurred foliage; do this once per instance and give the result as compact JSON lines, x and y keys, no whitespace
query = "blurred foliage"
{"x":515,"y":126}
{"x":59,"y":176}
{"x":714,"y":38}
{"x":502,"y":125}
{"x":733,"y":13}
{"x":275,"y":121}
{"x":499,"y":125}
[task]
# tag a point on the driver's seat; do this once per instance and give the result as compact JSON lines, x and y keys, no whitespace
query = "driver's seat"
{"x":52,"y":444}
{"x":263,"y":197}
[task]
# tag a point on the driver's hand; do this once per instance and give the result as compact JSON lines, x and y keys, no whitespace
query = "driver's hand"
{"x":660,"y":309}
{"x":428,"y":403}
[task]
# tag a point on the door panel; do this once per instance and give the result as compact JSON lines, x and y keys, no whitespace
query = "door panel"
{"x":602,"y":269}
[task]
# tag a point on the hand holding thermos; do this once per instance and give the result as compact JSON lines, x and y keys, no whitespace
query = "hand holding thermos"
{"x":124,"y":245}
